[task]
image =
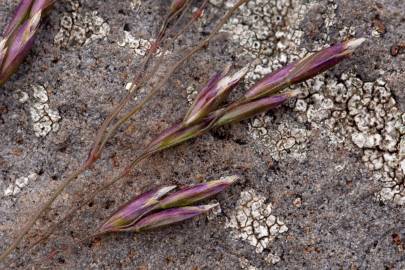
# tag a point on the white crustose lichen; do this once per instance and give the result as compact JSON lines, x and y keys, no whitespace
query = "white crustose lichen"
{"x":44,"y":119}
{"x":253,"y":221}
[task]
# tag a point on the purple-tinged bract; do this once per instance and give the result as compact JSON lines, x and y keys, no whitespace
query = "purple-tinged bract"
{"x":195,"y":193}
{"x":271,"y":83}
{"x":169,"y":216}
{"x":22,"y":42}
{"x":135,"y":209}
{"x":42,"y":6}
{"x":20,"y":14}
{"x":211,"y":96}
{"x":303,"y":69}
{"x":177,"y":134}
{"x":247,"y":110}
{"x":204,"y":114}
{"x":150,"y":210}
{"x":19,"y":34}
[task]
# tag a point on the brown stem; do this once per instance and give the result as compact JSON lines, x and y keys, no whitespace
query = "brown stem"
{"x":94,"y":152}
{"x":93,"y":157}
{"x":137,"y":82}
{"x":204,"y":43}
{"x":201,"y":45}
{"x":140,"y":106}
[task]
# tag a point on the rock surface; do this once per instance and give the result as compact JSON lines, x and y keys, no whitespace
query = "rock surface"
{"x":322,"y":178}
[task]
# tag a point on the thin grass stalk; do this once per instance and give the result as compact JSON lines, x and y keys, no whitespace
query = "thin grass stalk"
{"x":166,"y":78}
{"x":244,"y":108}
{"x":127,"y":170}
{"x":140,"y":106}
{"x":137,"y":82}
{"x":91,"y":158}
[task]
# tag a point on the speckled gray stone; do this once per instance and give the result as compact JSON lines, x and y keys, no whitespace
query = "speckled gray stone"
{"x":311,"y":166}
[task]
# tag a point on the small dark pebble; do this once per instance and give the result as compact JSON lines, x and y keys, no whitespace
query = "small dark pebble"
{"x":397,"y":48}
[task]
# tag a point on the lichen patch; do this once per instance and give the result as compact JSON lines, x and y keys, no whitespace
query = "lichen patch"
{"x":44,"y":119}
{"x":361,"y":116}
{"x":16,"y":187}
{"x":254,"y":222}
{"x":78,"y":28}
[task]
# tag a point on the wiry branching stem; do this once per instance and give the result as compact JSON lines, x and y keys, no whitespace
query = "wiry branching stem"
{"x":95,"y":152}
{"x":101,"y":139}
{"x":205,"y":112}
{"x":137,"y":82}
{"x":139,"y":107}
{"x":108,"y":134}
{"x":155,"y":89}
